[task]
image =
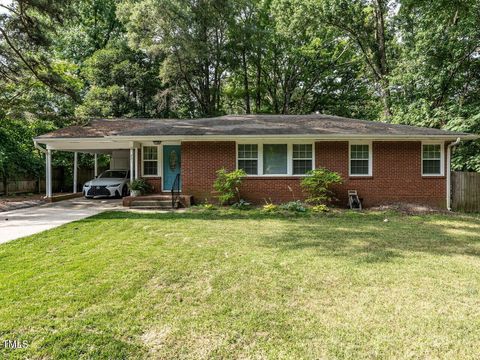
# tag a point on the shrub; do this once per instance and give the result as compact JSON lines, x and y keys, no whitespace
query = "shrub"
{"x":140,"y":185}
{"x":242,"y":205}
{"x":227,"y":183}
{"x":320,"y":208}
{"x":317,"y":185}
{"x":270,"y":207}
{"x":294,"y":206}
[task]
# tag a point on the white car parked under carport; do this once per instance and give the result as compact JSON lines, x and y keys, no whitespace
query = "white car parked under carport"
{"x":110,"y":183}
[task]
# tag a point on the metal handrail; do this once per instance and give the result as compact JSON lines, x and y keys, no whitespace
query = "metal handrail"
{"x":175,"y":190}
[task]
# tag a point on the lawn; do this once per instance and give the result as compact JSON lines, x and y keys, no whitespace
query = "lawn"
{"x":219,"y":284}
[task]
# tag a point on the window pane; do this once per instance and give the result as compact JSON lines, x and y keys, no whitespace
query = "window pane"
{"x":431,"y":167}
{"x":301,"y":167}
{"x":275,"y":158}
{"x":359,"y":167}
{"x":302,"y":151}
{"x":150,"y":153}
{"x":431,"y":151}
{"x":247,"y":151}
{"x":249,"y":166}
{"x":150,"y":167}
{"x":359,"y":152}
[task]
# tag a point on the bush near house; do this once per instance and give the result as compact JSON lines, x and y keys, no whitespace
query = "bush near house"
{"x":227,"y":183}
{"x":318,"y":184}
{"x":140,"y":185}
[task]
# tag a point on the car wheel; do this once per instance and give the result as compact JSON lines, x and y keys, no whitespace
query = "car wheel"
{"x":124,"y":191}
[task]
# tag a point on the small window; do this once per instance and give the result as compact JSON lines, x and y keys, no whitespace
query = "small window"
{"x":150,"y":160}
{"x":302,"y":158}
{"x":432,"y":159}
{"x":248,"y":158}
{"x":360,"y":160}
{"x":275,"y":159}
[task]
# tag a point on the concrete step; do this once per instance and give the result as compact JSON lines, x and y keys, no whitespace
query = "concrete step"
{"x":156,"y":200}
{"x":151,"y":203}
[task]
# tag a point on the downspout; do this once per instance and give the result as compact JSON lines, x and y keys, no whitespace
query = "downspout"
{"x":449,"y":172}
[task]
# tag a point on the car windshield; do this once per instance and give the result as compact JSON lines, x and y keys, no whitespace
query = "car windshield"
{"x":113,"y":174}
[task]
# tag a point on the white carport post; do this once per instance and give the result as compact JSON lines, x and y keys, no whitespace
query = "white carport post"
{"x":95,"y":165}
{"x":48,"y":173}
{"x":75,"y":171}
{"x":131,"y":164}
{"x":136,"y":163}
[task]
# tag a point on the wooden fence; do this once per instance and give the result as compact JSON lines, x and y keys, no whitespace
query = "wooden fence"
{"x":19,"y":186}
{"x":466,"y":191}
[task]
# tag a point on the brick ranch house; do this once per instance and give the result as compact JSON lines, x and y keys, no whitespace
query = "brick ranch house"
{"x":383,"y":162}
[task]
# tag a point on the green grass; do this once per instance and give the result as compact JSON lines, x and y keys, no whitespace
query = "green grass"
{"x":219,"y":284}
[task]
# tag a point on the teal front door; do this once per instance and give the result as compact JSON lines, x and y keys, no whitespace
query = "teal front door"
{"x":171,"y":166}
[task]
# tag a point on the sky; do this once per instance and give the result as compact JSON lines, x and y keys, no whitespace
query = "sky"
{"x":4,"y":2}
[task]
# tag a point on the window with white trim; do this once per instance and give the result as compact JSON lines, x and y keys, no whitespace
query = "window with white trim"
{"x":150,"y":160}
{"x":360,"y":160}
{"x":432,"y":159}
{"x":275,"y":158}
{"x":248,"y":158}
{"x":302,"y":158}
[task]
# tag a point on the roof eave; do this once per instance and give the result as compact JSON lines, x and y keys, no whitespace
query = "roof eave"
{"x":317,"y":137}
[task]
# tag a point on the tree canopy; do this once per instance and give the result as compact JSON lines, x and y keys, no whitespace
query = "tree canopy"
{"x":400,"y":61}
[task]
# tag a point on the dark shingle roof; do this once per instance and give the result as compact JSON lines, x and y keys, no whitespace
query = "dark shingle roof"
{"x":233,"y":125}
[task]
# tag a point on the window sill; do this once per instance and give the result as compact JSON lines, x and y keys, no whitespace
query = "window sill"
{"x":360,"y":177}
{"x":433,"y":176}
{"x":277,"y":177}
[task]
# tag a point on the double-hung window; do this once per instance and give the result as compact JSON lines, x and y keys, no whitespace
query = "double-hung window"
{"x":302,"y":158}
{"x":248,"y":158}
{"x":150,"y":160}
{"x":432,"y":160}
{"x":275,"y":159}
{"x":360,"y":160}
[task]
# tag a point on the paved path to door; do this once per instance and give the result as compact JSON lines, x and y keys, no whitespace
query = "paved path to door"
{"x":23,"y":222}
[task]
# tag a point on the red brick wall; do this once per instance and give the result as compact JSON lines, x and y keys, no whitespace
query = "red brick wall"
{"x":200,"y":161}
{"x":396,"y":174}
{"x":156,"y":183}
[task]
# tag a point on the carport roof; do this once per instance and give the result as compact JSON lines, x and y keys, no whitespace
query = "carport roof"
{"x":246,"y":125}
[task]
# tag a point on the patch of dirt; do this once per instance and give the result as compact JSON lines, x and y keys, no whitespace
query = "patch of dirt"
{"x":409,"y":209}
{"x":13,"y":202}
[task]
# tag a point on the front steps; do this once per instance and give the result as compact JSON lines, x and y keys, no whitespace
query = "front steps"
{"x":156,"y":201}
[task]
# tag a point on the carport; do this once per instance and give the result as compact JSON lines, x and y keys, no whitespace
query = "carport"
{"x":124,"y":154}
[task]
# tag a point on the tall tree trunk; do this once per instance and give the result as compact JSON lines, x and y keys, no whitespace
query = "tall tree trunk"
{"x":245,"y":82}
{"x":382,"y":57}
{"x":258,"y":93}
{"x":5,"y":186}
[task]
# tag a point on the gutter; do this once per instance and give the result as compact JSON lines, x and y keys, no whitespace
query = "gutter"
{"x":316,"y":137}
{"x":449,"y":172}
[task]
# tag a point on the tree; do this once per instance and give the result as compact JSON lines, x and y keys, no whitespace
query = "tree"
{"x":191,"y":35}
{"x":365,"y":23}
{"x":122,"y":82}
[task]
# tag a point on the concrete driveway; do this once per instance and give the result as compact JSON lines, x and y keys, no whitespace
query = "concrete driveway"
{"x":23,"y":222}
